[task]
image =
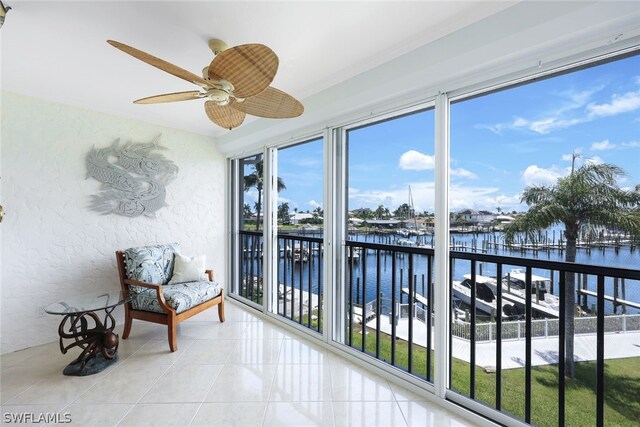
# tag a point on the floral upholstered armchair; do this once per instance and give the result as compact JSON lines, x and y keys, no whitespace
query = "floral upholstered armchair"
{"x":166,"y":287}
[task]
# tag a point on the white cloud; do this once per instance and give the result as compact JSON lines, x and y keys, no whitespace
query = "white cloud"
{"x":482,"y":198}
{"x":251,"y":195}
{"x":541,"y":126}
{"x":422,"y":192}
{"x":314,"y":204}
{"x":519,"y":122}
{"x":602,"y":145}
{"x":552,"y":123}
{"x":460,"y":196}
{"x":595,"y":160}
{"x":463,"y":173}
{"x":285,"y":200}
{"x":575,"y":109}
{"x":630,"y":101}
{"x":415,"y":160}
{"x":292,"y":203}
{"x":535,"y":175}
{"x":631,"y":144}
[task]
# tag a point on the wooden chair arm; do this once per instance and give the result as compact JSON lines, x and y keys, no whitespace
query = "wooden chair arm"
{"x":159,"y":292}
{"x":210,"y":274}
{"x":141,"y":284}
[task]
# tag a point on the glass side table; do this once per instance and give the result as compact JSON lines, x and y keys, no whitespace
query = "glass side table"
{"x":84,"y":327}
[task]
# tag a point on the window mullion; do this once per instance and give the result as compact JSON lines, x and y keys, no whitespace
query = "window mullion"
{"x":270,"y":233}
{"x":442,"y":301}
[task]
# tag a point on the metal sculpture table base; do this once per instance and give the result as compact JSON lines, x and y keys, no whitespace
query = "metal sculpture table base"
{"x":99,"y":343}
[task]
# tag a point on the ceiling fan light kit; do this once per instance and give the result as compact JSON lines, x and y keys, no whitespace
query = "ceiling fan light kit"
{"x":236,"y":83}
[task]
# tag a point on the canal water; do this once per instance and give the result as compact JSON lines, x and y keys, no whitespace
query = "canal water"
{"x":366,"y":270}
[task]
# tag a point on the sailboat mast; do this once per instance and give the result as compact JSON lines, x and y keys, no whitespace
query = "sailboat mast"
{"x":412,"y":212}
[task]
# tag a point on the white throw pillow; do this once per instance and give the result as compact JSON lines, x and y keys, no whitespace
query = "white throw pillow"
{"x":186,"y":269}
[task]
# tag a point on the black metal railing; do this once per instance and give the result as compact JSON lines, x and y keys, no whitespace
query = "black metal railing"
{"x":389,"y":300}
{"x":300,"y":280}
{"x":250,"y":255}
{"x":300,"y":276}
{"x":591,"y":283}
{"x":399,"y":333}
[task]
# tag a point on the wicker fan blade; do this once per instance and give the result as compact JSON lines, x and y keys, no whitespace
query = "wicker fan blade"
{"x":249,"y":67}
{"x":271,"y":103}
{"x":223,"y":116}
{"x":160,"y":64}
{"x":171,"y":97}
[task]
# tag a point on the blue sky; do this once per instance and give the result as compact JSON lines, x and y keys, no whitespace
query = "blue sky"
{"x":500,"y":143}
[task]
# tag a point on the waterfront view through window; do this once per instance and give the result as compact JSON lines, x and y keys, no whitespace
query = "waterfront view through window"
{"x":389,"y":251}
{"x":554,"y":164}
{"x":544,"y":244}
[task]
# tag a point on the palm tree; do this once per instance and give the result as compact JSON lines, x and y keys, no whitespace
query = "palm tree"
{"x":256,"y":179}
{"x":283,"y":212}
{"x":404,"y":211}
{"x":381,"y":212}
{"x":246,"y":210}
{"x":588,"y":197}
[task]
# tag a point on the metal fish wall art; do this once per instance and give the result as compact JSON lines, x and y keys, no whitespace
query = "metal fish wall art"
{"x":133,"y":177}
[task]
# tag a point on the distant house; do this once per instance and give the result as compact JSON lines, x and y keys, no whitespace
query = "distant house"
{"x":485,"y":217}
{"x":467,"y":215}
{"x":504,"y":219}
{"x":473,"y":217}
{"x":299,"y":216}
{"x":424,"y":222}
{"x":384,"y":223}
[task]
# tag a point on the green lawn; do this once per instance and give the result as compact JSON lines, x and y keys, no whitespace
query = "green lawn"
{"x":622,"y":386}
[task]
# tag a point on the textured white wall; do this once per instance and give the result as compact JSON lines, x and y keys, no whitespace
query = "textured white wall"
{"x":53,"y":245}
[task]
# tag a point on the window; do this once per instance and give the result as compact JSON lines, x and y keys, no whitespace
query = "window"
{"x":527,"y":143}
{"x":248,"y":238}
{"x":300,"y":215}
{"x":389,"y":243}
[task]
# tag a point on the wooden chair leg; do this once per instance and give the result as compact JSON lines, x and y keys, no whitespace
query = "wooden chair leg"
{"x":173,"y":343}
{"x":221,"y":310}
{"x":127,"y":325}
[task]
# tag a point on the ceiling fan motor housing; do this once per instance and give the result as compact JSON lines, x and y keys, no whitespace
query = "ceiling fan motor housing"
{"x":218,"y":95}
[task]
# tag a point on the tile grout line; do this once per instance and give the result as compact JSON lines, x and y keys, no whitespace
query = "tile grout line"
{"x":275,"y":371}
{"x":150,"y":387}
{"x":140,"y":398}
{"x":395,"y":399}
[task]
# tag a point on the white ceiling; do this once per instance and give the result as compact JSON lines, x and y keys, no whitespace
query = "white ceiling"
{"x":58,"y":50}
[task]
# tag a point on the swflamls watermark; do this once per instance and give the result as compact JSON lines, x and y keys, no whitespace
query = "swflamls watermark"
{"x":36,"y":418}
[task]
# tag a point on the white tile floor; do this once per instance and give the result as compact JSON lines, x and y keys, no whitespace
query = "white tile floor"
{"x":245,"y":372}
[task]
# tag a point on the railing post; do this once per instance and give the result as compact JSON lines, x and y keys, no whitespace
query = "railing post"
{"x":546,"y":327}
{"x":600,"y":355}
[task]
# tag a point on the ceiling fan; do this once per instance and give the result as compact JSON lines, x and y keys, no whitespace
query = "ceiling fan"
{"x":236,"y":83}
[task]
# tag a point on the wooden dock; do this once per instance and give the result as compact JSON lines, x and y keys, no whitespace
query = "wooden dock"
{"x":615,"y":300}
